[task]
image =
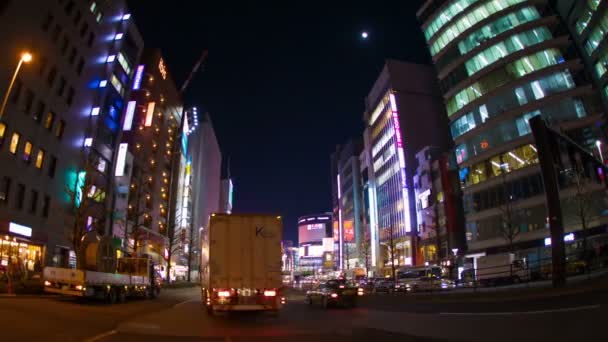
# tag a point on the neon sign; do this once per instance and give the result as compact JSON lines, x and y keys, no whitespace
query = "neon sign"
{"x":138,"y":76}
{"x":162,"y":68}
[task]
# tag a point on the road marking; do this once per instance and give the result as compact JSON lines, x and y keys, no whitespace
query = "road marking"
{"x":578,"y":308}
{"x":101,"y":336}
{"x":184,"y":302}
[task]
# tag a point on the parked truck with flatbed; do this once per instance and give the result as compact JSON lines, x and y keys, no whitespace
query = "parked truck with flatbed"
{"x":133,"y":277}
{"x":241,"y":263}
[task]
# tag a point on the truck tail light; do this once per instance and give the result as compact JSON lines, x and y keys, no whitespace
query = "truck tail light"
{"x":47,"y":283}
{"x":270,"y":293}
{"x":282,"y":300}
{"x":334,"y":295}
{"x":360,"y":292}
{"x":223,"y":294}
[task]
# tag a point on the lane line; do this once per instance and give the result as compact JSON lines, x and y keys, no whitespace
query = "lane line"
{"x":101,"y":336}
{"x":578,"y":308}
{"x":184,"y":302}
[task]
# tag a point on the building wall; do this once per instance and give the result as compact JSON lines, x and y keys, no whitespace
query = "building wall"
{"x":151,"y":132}
{"x":500,"y":63}
{"x":394,"y":109}
{"x":587,"y":22}
{"x":70,"y":45}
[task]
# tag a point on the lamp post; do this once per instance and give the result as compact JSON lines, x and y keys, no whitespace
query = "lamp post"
{"x":25,"y":57}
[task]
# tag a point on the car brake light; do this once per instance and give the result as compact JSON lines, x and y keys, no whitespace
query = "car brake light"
{"x":341,"y":286}
{"x":334,"y":295}
{"x":270,"y":293}
{"x":223,"y":294}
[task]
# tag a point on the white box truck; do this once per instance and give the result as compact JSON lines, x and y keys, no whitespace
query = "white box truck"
{"x":133,"y":277}
{"x":501,"y":268}
{"x":241,"y":263}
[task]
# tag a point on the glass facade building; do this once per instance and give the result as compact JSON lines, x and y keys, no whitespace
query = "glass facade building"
{"x":587,"y":21}
{"x":500,"y":63}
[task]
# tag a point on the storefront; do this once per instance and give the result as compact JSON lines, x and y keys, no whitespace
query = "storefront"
{"x":18,"y":251}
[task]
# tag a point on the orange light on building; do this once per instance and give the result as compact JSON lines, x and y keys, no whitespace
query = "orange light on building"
{"x":150,"y":114}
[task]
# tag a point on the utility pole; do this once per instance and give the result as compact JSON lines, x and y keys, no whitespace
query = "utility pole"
{"x":548,"y":166}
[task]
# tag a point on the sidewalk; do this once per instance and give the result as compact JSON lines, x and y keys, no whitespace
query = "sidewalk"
{"x":29,"y":287}
{"x":542,"y":289}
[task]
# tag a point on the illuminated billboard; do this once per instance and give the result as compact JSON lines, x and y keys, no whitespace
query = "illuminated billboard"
{"x":314,"y":232}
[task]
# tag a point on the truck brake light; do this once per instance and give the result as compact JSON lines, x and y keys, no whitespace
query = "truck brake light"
{"x":223,"y":294}
{"x":270,"y":293}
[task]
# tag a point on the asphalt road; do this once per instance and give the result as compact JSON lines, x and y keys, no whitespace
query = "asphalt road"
{"x":178,"y":316}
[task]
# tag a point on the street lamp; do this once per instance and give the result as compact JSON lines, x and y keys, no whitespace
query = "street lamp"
{"x":598,"y":144}
{"x":25,"y":57}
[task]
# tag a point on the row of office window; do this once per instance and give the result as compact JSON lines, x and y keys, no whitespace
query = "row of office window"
{"x":485,"y":33}
{"x":6,"y":192}
{"x":510,"y":45}
{"x":498,"y":165}
{"x":509,"y":72}
{"x":467,"y":21}
{"x":499,"y":195}
{"x":24,"y":149}
{"x":586,"y":15}
{"x":597,"y":35}
{"x":491,"y":30}
{"x":446,"y":15}
{"x":512,"y":98}
{"x":563,"y":111}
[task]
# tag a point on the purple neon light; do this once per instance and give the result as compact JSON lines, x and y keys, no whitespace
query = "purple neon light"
{"x":138,"y":76}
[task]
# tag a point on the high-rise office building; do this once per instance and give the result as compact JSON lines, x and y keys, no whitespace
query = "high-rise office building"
{"x":500,"y":63}
{"x":438,"y":206}
{"x":152,"y":120}
{"x":60,"y":130}
{"x":402,"y":117}
{"x":348,"y":204}
{"x":206,"y":167}
{"x":587,"y":21}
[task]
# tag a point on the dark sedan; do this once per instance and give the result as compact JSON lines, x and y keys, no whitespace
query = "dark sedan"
{"x":335,"y":292}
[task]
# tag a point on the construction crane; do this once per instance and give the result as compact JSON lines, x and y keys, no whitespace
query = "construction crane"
{"x":194,"y":71}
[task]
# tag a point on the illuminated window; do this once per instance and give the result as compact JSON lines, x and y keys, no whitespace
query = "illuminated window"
{"x":498,"y":78}
{"x":501,"y":50}
{"x":497,"y":27}
{"x":446,"y":15}
{"x":124,"y":63}
{"x":597,"y":35}
{"x":27,"y":151}
{"x":14,"y":143}
{"x":117,"y":84}
{"x":467,"y":21}
{"x":40,"y":159}
{"x":59,"y":129}
{"x":2,"y":132}
{"x":48,"y":121}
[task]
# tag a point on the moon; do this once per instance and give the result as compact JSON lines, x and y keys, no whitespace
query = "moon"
{"x":364,"y":34}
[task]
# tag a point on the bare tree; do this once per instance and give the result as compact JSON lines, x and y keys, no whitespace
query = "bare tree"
{"x":86,"y":200}
{"x":391,"y":250}
{"x":366,"y":250}
{"x":583,"y":202}
{"x":509,"y":229}
{"x":175,"y":240}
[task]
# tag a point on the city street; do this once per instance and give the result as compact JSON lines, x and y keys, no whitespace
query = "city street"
{"x":178,"y":316}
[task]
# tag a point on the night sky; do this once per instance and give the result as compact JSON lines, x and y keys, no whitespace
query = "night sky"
{"x":283,"y":85}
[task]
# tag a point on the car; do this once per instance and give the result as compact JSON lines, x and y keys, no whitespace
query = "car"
{"x":384,"y":286}
{"x":431,"y":283}
{"x":334,"y":292}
